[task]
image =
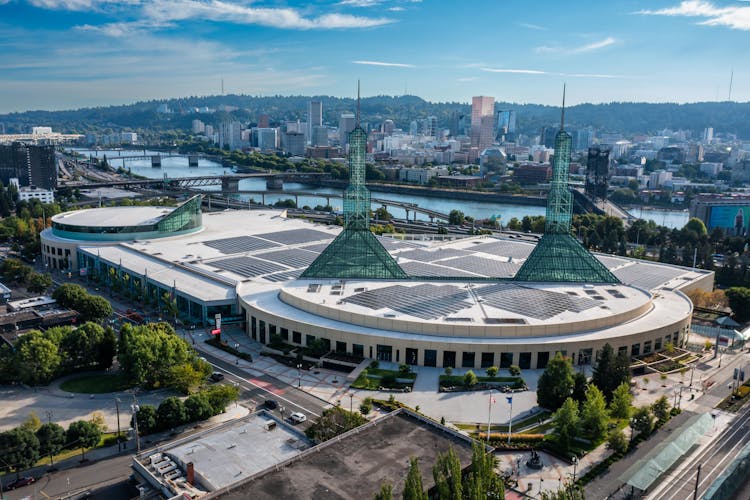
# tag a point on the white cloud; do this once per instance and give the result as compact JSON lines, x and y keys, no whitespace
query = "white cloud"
{"x":380,"y":63}
{"x":396,"y":9}
{"x":467,"y":79}
{"x":360,"y":3}
{"x":581,"y":49}
{"x":519,"y":71}
{"x":80,"y":5}
{"x":732,"y":16}
{"x":532,"y":26}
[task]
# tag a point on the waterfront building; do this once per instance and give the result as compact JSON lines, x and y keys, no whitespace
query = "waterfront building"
{"x":294,"y":143}
{"x":32,"y":165}
{"x":26,"y":193}
{"x":482,"y":122}
{"x":597,"y":172}
{"x":267,"y":138}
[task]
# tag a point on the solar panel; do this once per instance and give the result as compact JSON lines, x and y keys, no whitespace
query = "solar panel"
{"x":532,"y":302}
{"x":431,"y":256}
{"x":424,"y":301}
{"x":283,"y":276}
{"x":514,"y":249}
{"x":611,"y":262}
{"x":318,"y":247}
{"x":294,"y":236}
{"x":239,"y":244}
{"x":292,"y":257}
{"x":483,"y":266}
{"x":248,"y":267}
{"x":423,"y":269}
{"x":647,"y":276}
{"x":395,"y":244}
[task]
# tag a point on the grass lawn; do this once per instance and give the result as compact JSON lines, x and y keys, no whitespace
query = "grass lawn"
{"x":76,"y":452}
{"x":96,"y":384}
{"x":382,"y":373}
{"x":458,"y":380}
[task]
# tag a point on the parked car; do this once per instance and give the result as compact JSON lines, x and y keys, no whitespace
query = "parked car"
{"x":20,"y":482}
{"x":217,"y":376}
{"x":271,"y":404}
{"x":297,"y":417}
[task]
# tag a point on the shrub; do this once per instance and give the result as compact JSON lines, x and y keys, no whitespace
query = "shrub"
{"x":404,"y":369}
{"x":366,"y":406}
{"x":514,"y":370}
{"x":171,"y":413}
{"x":617,"y":442}
{"x":448,"y":370}
{"x":492,"y":371}
{"x":470,"y":379}
{"x":375,"y":364}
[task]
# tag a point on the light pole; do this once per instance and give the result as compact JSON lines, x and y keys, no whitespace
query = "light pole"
{"x":119,"y":442}
{"x":489,"y":416}
{"x":351,"y":402}
{"x":299,"y":375}
{"x":575,"y":466}
{"x":135,"y":409}
{"x":282,"y":409}
{"x":510,"y":417}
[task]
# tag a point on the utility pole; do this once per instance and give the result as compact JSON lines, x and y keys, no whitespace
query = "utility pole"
{"x":697,"y":482}
{"x":119,"y":442}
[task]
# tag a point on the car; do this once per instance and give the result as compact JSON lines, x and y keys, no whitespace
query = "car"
{"x":297,"y":417}
{"x":271,"y":404}
{"x":20,"y":482}
{"x":217,"y":376}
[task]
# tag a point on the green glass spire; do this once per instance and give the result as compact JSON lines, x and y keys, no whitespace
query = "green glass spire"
{"x":355,"y":253}
{"x":559,"y":257}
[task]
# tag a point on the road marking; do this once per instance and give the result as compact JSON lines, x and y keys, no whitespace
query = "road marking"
{"x":264,"y":389}
{"x":45,"y":495}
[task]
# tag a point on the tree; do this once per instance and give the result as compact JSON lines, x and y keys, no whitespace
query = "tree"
{"x":565,"y":422}
{"x":186,"y":377}
{"x":386,"y":492}
{"x":19,"y":449}
{"x":171,"y":413}
{"x":660,"y":409}
{"x":97,"y":418}
{"x":147,"y":352}
{"x":84,"y":435}
{"x":482,"y":481}
{"x":332,"y":422}
{"x":146,"y":418}
{"x":556,"y":383}
{"x":456,"y":217}
{"x":739,"y":302}
{"x":38,"y":283}
{"x":447,"y":475}
{"x":621,"y":402}
{"x":617,"y":442}
{"x":36,"y":358}
{"x":220,"y":396}
{"x":413,"y":489}
{"x":696,"y":225}
{"x":568,"y":492}
{"x":32,"y":422}
{"x":492,"y":371}
{"x":580,"y":385}
{"x":594,"y":417}
{"x":642,"y":421}
{"x":90,"y":307}
{"x":366,"y":406}
{"x":198,"y":407}
{"x":470,"y":379}
{"x":51,"y":438}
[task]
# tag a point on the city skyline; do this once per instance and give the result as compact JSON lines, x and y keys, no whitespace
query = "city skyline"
{"x":83,"y":53}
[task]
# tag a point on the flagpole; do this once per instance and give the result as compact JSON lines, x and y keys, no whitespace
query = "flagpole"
{"x":489,"y":416}
{"x":510,"y":417}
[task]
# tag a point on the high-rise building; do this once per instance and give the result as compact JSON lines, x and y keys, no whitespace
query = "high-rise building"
{"x":430,"y":126}
{"x":388,"y":127}
{"x":583,"y":138}
{"x":319,"y":136}
{"x":314,"y":116}
{"x":708,"y":135}
{"x":482,"y":121}
{"x":347,"y":123}
{"x":294,"y":143}
{"x":267,"y":139}
{"x":264,"y":121}
{"x":31,"y":165}
{"x":597,"y":172}
{"x":198,"y":127}
{"x":506,"y":125}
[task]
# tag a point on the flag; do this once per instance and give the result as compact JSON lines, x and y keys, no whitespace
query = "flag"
{"x":492,"y":400}
{"x":509,"y":399}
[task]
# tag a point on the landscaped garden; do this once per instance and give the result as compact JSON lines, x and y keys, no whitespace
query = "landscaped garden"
{"x":375,"y":378}
{"x":97,"y":384}
{"x":471,"y":382}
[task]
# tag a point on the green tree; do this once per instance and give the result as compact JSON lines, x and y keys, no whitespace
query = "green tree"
{"x":332,"y":422}
{"x":38,"y":283}
{"x":147,"y":352}
{"x":642,"y":421}
{"x":617,"y":442}
{"x":621,"y":402}
{"x":386,"y":492}
{"x":187,"y":377}
{"x":556,"y":383}
{"x":492,"y":371}
{"x":696,"y":225}
{"x":19,"y":449}
{"x":610,"y":371}
{"x":51,"y":438}
{"x":470,"y":379}
{"x":32,"y":422}
{"x":447,"y":475}
{"x":171,"y":413}
{"x":565,"y":422}
{"x":514,"y":370}
{"x":456,"y":217}
{"x":146,"y":417}
{"x":198,"y":407}
{"x":660,"y":409}
{"x":580,"y":386}
{"x":568,"y":492}
{"x":739,"y":302}
{"x":594,"y":416}
{"x":36,"y":358}
{"x":220,"y":396}
{"x":83,"y":435}
{"x":413,"y":489}
{"x":366,"y":406}
{"x":482,"y":481}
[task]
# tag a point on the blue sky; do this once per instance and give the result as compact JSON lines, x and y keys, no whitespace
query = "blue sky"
{"x":61,"y":54}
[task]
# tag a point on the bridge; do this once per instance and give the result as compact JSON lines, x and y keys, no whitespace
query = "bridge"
{"x":409,"y":208}
{"x":157,"y":158}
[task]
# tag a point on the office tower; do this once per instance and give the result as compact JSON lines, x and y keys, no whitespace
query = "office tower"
{"x":314,"y":116}
{"x":547,"y":137}
{"x":355,"y":253}
{"x":597,"y":172}
{"x":387,"y":127}
{"x":583,"y":138}
{"x":430,"y":126}
{"x":506,"y":125}
{"x":482,"y":121}
{"x":294,"y":143}
{"x":264,"y":121}
{"x":319,"y":136}
{"x":708,"y":135}
{"x":267,"y":139}
{"x":413,"y":127}
{"x":32,"y":165}
{"x":198,"y":127}
{"x":347,"y":123}
{"x":559,"y":257}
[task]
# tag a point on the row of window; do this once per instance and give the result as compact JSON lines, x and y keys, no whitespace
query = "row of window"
{"x":262,"y":332}
{"x":51,"y":250}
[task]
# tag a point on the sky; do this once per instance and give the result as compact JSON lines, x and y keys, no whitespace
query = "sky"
{"x":65,"y":54}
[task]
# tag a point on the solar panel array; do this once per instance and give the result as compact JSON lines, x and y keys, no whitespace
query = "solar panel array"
{"x":248,"y":267}
{"x":294,"y":236}
{"x":646,"y":276}
{"x":484,"y":266}
{"x":431,"y":256}
{"x":512,"y":249}
{"x":291,"y":257}
{"x":283,"y":276}
{"x":391,"y":244}
{"x":317,"y":247}
{"x":611,"y":262}
{"x":425,"y":301}
{"x":423,"y":269}
{"x":532,"y":302}
{"x":239,"y":244}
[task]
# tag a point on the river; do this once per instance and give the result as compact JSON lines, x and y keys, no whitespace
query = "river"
{"x":177,"y":167}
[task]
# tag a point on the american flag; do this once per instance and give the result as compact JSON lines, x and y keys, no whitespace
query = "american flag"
{"x":509,"y":399}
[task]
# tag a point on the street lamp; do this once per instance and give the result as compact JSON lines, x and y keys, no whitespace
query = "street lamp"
{"x":575,"y":466}
{"x":351,"y":402}
{"x":299,"y":374}
{"x":135,"y":409}
{"x":282,"y":409}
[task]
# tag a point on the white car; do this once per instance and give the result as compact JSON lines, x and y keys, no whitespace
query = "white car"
{"x":297,"y":417}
